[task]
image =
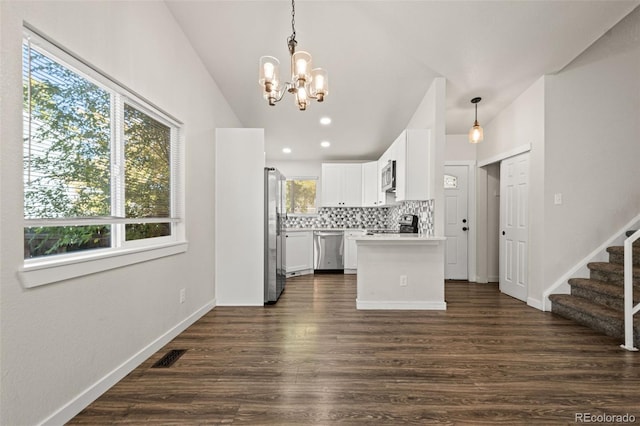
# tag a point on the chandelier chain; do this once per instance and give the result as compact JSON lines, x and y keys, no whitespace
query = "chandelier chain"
{"x":291,"y":41}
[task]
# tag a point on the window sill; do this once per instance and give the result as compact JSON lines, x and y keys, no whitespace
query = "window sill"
{"x":51,"y":271}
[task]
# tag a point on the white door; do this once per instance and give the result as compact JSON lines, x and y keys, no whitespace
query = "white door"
{"x":456,"y":221}
{"x":514,"y":226}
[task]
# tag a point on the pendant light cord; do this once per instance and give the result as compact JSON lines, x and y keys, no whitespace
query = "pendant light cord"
{"x":291,"y":41}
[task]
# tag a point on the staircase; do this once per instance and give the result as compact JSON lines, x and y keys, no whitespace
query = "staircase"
{"x":598,"y":301}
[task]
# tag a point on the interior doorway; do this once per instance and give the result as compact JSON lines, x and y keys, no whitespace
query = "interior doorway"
{"x":457,"y":221}
{"x":514,"y":226}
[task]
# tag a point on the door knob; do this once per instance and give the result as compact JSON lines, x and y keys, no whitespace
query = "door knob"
{"x":464,"y":220}
{"x":464,"y":228}
{"x":503,"y":233}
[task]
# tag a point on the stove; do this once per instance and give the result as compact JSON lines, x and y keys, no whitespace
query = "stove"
{"x":382,"y":231}
{"x":408,"y":224}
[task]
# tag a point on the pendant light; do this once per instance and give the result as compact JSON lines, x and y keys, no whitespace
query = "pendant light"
{"x":306,"y":83}
{"x":476,"y":134}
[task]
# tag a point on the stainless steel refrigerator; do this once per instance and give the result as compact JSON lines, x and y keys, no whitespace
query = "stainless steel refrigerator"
{"x":274,"y":235}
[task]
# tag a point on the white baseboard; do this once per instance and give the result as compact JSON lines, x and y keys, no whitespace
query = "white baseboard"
{"x":432,"y":306}
{"x":534,"y":303}
{"x":297,"y":273}
{"x":80,"y":402}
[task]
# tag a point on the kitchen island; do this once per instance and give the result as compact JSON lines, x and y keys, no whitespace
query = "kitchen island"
{"x":400,"y":271}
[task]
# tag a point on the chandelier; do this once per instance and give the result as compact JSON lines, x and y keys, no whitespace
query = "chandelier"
{"x":306,"y":83}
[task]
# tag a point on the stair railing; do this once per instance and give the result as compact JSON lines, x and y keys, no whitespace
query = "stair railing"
{"x":629,"y":309}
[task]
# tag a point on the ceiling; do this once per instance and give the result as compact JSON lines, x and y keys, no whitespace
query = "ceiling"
{"x":382,"y":56}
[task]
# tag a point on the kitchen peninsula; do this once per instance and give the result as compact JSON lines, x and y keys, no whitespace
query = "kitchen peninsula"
{"x":400,"y":271}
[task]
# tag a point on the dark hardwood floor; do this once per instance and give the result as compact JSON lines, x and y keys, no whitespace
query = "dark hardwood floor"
{"x":312,"y":358}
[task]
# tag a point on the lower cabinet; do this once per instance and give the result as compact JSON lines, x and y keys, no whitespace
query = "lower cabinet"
{"x":299,"y":252}
{"x":350,"y":252}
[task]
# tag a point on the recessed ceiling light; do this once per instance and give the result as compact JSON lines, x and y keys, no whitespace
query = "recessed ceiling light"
{"x":286,"y":150}
{"x":325,"y":144}
{"x":325,"y":120}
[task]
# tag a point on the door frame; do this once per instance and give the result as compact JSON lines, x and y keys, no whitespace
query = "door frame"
{"x":473,"y":223}
{"x":503,"y":226}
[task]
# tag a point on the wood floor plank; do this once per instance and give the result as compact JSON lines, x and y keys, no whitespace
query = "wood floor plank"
{"x":312,"y":358}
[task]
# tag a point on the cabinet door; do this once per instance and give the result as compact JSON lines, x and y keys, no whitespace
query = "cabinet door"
{"x":299,"y":252}
{"x":413,"y":168}
{"x":370,"y":184}
{"x":331,"y":185}
{"x":350,"y":251}
{"x":352,"y":185}
{"x":341,"y":185}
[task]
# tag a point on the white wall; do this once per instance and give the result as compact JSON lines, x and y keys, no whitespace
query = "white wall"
{"x":301,"y":169}
{"x":458,"y":148}
{"x":592,"y":147}
{"x":431,"y":114}
{"x":521,"y":124}
{"x":582,"y":125}
{"x":58,"y":340}
{"x":240,"y":217}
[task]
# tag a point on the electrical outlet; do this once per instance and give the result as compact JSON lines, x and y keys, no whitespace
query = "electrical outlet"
{"x":183,"y":295}
{"x":403,"y":280}
{"x":557,"y":198}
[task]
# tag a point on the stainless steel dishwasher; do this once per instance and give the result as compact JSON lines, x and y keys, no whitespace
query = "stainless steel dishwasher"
{"x":328,"y":250}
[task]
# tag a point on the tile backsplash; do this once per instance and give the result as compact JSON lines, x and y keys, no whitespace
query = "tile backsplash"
{"x":423,"y":209}
{"x":342,"y":217}
{"x":367,"y":217}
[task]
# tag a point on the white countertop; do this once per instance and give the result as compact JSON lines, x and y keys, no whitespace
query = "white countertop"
{"x":397,"y":238}
{"x":324,"y":229}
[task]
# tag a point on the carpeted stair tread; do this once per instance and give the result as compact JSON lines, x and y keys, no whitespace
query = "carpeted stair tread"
{"x":613,"y":268}
{"x":599,"y":317}
{"x":604,"y":288}
{"x":616,"y":254}
{"x":605,"y":293}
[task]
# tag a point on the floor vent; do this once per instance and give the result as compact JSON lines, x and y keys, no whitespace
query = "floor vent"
{"x":169,"y":358}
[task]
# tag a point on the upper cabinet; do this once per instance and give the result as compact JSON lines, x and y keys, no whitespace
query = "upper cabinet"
{"x":370,"y":184}
{"x":342,"y":184}
{"x":414,"y":172}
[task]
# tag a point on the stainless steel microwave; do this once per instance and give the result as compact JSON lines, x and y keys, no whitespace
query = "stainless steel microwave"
{"x":388,"y":178}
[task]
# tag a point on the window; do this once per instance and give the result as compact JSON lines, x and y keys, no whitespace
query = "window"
{"x":100,"y":164}
{"x":301,"y":195}
{"x":450,"y":182}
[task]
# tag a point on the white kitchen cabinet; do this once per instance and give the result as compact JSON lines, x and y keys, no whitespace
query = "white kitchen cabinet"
{"x":414,"y":171}
{"x":351,"y":251}
{"x":370,"y":184}
{"x":299,"y":252}
{"x":342,"y":184}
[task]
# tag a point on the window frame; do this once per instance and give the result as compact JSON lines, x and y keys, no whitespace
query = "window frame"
{"x":48,"y":269}
{"x":297,"y":178}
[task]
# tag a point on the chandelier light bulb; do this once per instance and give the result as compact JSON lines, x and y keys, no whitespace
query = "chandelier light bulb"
{"x":476,"y":133}
{"x":320,"y":83}
{"x":302,"y":65}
